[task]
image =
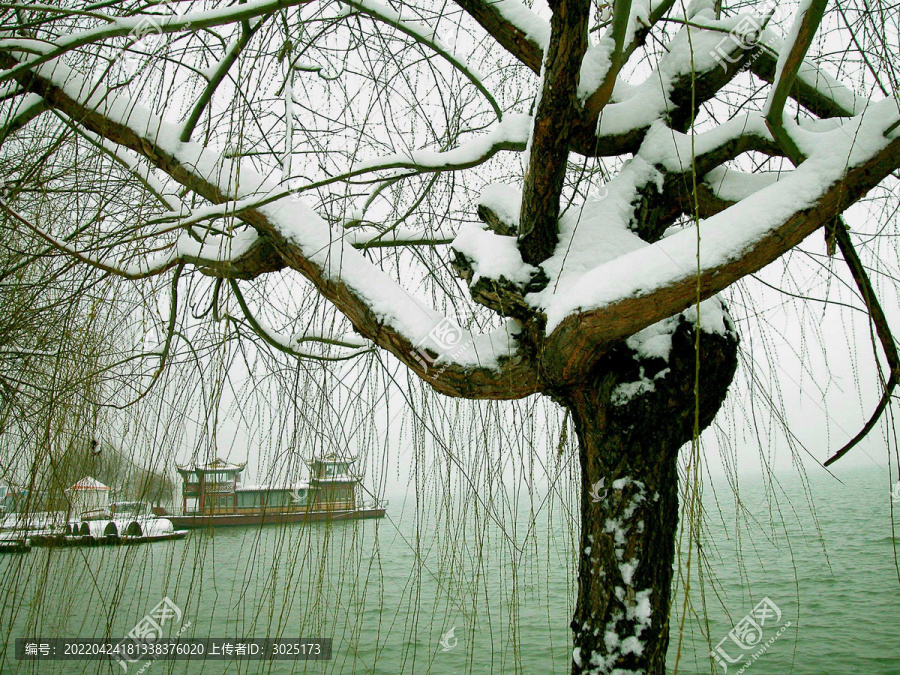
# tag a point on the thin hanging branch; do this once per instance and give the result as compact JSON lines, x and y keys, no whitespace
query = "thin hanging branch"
{"x":882,"y":329}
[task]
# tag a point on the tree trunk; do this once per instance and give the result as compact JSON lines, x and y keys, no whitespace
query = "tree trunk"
{"x":631,"y":422}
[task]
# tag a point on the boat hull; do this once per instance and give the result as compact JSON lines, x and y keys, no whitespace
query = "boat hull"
{"x":59,"y":540}
{"x":14,"y":545}
{"x":273,"y":518}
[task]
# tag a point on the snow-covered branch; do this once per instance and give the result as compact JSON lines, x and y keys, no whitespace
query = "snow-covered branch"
{"x":653,"y":281}
{"x":137,"y":27}
{"x":514,"y":25}
{"x":377,"y":306}
{"x":424,"y":35}
{"x":509,"y":135}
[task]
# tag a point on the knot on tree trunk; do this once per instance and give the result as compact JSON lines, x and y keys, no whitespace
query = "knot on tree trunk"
{"x":631,"y":417}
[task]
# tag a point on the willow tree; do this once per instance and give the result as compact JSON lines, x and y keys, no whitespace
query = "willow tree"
{"x":511,"y":202}
{"x":59,"y":331}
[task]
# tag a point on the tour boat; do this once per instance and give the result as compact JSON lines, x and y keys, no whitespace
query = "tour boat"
{"x":212,"y":496}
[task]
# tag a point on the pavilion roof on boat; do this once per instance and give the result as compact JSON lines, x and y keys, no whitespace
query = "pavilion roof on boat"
{"x":89,"y":483}
{"x":88,"y":495}
{"x":218,"y":465}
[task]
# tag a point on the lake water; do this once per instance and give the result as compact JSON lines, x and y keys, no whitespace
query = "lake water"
{"x":389,"y":591}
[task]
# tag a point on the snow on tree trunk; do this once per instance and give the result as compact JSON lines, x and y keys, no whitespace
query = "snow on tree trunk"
{"x":630,"y":423}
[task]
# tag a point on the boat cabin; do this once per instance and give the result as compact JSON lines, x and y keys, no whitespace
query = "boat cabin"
{"x":210,"y":488}
{"x":215,"y":489}
{"x":261,"y":497}
{"x":333,"y":482}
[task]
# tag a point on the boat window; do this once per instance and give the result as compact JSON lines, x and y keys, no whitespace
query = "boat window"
{"x":335,"y":469}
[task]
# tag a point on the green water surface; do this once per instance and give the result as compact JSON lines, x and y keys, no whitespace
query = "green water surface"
{"x":388,"y":592}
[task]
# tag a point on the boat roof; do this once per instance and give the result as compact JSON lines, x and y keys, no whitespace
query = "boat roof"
{"x":218,"y":464}
{"x":88,"y":483}
{"x":333,"y":457}
{"x":261,"y":488}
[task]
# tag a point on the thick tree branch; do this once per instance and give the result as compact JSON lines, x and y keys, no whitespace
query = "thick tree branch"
{"x":789,"y":63}
{"x":511,"y":37}
{"x":581,"y":338}
{"x":600,"y":97}
{"x":557,"y":108}
{"x":814,"y":98}
{"x":513,"y":377}
{"x":786,"y":73}
{"x":218,"y":76}
{"x":20,"y":115}
{"x":260,"y":258}
{"x":602,"y":135}
{"x":662,"y":208}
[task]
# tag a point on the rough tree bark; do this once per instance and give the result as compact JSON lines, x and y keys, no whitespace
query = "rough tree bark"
{"x":629,"y":494}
